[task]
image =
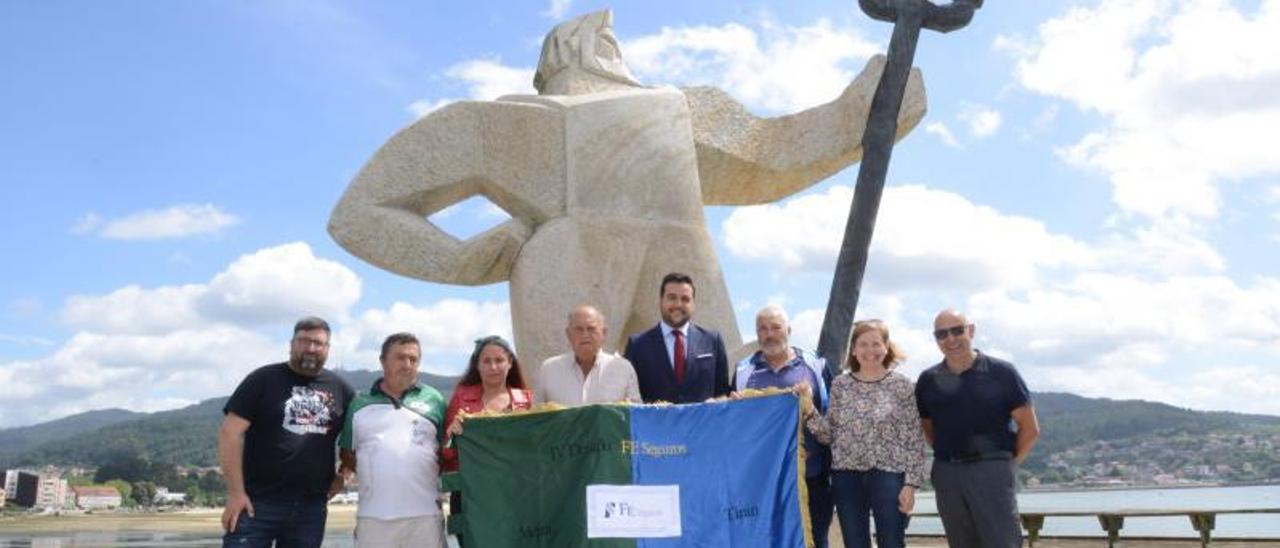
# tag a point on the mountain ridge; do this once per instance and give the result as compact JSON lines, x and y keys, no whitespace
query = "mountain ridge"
{"x":1077,"y":432}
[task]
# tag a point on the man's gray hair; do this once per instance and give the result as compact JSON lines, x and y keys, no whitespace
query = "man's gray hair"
{"x":773,"y":311}
{"x":594,"y":312}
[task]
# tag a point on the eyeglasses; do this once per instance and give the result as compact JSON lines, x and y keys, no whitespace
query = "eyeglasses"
{"x":308,"y":342}
{"x":941,"y":334}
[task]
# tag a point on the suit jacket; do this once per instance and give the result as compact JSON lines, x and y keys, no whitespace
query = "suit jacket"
{"x":706,"y":367}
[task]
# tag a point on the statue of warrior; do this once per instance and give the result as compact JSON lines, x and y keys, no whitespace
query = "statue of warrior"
{"x":605,"y":181}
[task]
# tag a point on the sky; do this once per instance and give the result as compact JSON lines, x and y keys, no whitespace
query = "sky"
{"x":1093,"y":184}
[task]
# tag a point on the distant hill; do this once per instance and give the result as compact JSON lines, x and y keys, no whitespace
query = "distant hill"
{"x":187,"y":436}
{"x":1069,"y":420}
{"x":16,"y":440}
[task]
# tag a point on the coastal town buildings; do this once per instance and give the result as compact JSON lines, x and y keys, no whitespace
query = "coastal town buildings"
{"x":96,"y":498}
{"x":35,"y":490}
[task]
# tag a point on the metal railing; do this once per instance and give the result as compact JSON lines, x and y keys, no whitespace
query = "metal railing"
{"x":1202,"y":521}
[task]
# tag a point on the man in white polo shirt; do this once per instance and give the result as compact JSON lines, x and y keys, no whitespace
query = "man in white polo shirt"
{"x":390,"y":441}
{"x":586,"y":374}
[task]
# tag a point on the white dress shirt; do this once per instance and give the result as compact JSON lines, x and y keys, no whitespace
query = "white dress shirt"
{"x":612,"y":379}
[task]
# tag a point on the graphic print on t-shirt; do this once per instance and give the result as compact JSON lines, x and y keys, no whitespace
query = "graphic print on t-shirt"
{"x":307,"y":411}
{"x":423,"y":432}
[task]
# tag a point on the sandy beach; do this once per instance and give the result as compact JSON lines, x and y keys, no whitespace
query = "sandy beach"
{"x":341,"y":518}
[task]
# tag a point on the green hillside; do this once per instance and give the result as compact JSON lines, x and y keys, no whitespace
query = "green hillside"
{"x":16,"y":440}
{"x":185,"y":436}
{"x":1080,"y":436}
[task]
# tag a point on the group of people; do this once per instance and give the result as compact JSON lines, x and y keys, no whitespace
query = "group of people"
{"x":865,"y":435}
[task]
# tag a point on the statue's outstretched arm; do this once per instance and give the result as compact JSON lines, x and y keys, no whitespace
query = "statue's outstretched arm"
{"x":744,"y":159}
{"x":511,"y":153}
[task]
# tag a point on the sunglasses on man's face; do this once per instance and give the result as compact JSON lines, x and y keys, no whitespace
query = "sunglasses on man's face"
{"x":956,"y":331}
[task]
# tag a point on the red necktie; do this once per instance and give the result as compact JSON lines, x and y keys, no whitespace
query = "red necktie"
{"x":679,"y":356}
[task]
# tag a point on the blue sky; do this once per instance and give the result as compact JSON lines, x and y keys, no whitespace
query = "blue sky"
{"x":1093,"y":182}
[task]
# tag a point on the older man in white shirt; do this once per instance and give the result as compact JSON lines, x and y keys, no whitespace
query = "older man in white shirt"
{"x":586,"y":374}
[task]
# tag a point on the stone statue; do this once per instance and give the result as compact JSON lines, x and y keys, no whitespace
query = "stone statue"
{"x":605,"y":181}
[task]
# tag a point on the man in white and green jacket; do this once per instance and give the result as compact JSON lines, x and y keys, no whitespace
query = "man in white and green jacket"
{"x":391,"y":441}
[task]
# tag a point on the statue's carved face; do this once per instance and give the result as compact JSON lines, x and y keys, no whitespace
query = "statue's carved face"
{"x":582,"y":56}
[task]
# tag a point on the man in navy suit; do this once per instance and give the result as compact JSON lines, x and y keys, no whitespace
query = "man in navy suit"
{"x":677,"y":361}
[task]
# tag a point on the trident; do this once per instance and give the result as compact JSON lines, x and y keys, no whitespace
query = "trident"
{"x":908,"y":17}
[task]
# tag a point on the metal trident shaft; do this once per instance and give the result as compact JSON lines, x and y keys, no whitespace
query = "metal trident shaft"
{"x":908,"y":17}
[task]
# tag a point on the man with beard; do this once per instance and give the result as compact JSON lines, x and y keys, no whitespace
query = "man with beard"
{"x":276,"y":446}
{"x":677,"y":361}
{"x":779,"y":365}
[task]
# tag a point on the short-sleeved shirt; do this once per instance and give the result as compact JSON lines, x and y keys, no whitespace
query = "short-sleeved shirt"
{"x":972,"y":411}
{"x":396,"y":444}
{"x":754,"y":372}
{"x":294,"y":421}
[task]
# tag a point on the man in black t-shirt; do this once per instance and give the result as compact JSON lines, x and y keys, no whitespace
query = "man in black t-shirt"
{"x":969,"y":404}
{"x":276,"y":446}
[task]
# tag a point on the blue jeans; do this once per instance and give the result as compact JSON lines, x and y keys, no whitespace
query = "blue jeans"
{"x":289,"y":523}
{"x":872,"y":492}
{"x":820,"y":508}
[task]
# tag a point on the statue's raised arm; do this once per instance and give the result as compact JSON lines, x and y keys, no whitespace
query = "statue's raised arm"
{"x":744,"y":159}
{"x":503,"y":150}
{"x":605,"y":180}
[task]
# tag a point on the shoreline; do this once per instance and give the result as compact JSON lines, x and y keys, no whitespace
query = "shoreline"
{"x":201,"y":520}
{"x":1076,"y":489}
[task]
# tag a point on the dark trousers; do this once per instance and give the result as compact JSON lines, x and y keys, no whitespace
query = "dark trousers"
{"x":873,"y":492}
{"x":820,"y":508}
{"x":287,"y":523}
{"x":977,"y":504}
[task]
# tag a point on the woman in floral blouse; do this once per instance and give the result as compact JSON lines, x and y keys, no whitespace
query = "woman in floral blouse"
{"x":877,"y":447}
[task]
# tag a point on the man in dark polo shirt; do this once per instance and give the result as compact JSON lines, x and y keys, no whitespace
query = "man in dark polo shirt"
{"x":276,"y":446}
{"x":976,"y":413}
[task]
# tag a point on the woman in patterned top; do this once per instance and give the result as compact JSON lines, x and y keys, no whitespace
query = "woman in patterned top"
{"x":877,"y":447}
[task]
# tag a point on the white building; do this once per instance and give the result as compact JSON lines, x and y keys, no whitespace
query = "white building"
{"x":52,"y":492}
{"x":163,"y":496}
{"x":95,"y":498}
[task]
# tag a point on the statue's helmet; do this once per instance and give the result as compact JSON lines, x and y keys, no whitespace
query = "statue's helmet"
{"x":582,"y":56}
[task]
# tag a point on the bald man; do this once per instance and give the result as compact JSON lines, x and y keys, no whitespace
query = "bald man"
{"x":586,"y":374}
{"x":968,"y":403}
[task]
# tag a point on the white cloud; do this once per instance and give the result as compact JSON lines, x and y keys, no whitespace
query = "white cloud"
{"x":488,"y":79}
{"x":93,"y":370}
{"x":1186,"y":109}
{"x":484,"y":79}
{"x":273,"y":285}
{"x":1097,"y":318}
{"x":772,"y":67}
{"x":447,"y":329}
{"x":983,"y":121}
{"x":179,"y":221}
{"x":557,"y":9}
{"x":157,"y":348}
{"x":132,"y":309}
{"x":279,"y":284}
{"x":942,"y":132}
{"x":423,"y":107}
{"x":925,"y":240}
